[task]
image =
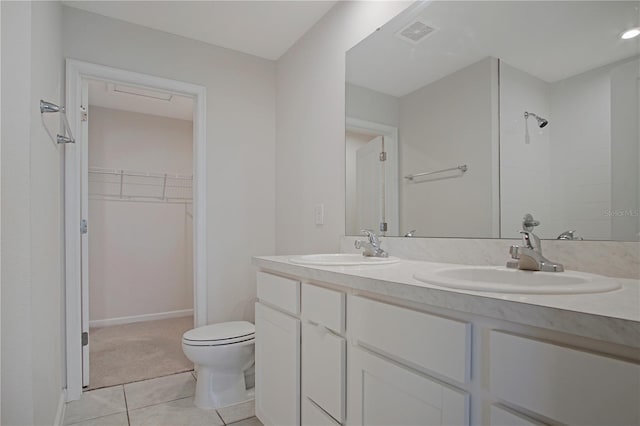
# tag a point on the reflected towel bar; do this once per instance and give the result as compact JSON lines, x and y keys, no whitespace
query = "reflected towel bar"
{"x":463,"y":168}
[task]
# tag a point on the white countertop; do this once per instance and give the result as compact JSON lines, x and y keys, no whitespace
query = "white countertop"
{"x":611,"y":317}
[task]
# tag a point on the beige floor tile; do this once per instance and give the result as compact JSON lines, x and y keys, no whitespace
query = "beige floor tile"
{"x":237,"y":412}
{"x":180,"y":412}
{"x":161,"y":389}
{"x":119,"y":419}
{"x":94,"y":404}
{"x":253,"y":421}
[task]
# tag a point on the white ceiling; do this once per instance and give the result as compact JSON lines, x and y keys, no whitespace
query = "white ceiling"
{"x":551,"y":40}
{"x":108,"y":95}
{"x":262,"y":28}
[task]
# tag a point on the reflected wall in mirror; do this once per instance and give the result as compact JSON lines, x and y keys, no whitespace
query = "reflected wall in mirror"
{"x":447,"y":84}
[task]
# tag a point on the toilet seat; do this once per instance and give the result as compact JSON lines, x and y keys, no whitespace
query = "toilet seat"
{"x":222,"y":334}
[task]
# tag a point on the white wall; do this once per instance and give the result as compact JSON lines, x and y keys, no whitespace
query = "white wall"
{"x":445,"y":124}
{"x":310,"y":126}
{"x":369,"y":105}
{"x":240,"y":140}
{"x":139,"y":261}
{"x":625,"y":151}
{"x":32,"y":376}
{"x":525,"y":168}
{"x":580,"y":155}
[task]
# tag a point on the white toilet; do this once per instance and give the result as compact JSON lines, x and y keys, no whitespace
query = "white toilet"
{"x":221,"y":352}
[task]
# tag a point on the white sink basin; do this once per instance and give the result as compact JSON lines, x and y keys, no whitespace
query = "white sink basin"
{"x":500,"y":279}
{"x":341,"y":259}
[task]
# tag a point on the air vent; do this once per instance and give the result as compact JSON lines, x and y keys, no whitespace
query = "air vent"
{"x":415,"y":32}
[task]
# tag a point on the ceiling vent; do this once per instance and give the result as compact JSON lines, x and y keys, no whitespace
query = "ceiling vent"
{"x":415,"y":32}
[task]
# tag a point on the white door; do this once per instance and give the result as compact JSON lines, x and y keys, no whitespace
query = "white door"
{"x":84,"y":236}
{"x":384,"y":393}
{"x":277,"y":367}
{"x":370,"y":190}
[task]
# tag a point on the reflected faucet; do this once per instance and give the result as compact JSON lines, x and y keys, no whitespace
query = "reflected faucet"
{"x":569,"y":235}
{"x":371,"y":247}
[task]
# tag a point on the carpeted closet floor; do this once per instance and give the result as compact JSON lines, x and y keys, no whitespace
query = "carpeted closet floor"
{"x":132,"y":352}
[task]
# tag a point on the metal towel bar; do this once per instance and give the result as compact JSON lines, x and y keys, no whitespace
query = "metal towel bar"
{"x":463,"y":168}
{"x":47,"y":107}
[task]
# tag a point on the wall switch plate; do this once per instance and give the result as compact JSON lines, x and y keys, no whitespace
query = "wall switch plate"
{"x":319,"y":214}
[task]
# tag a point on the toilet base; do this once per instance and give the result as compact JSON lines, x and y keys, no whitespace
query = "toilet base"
{"x":220,"y":390}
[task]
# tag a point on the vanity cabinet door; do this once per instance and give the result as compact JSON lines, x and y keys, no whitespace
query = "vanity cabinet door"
{"x":277,"y":367}
{"x":384,"y":393}
{"x":323,"y":369}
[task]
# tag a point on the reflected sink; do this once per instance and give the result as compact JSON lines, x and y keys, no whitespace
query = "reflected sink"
{"x":341,"y":259}
{"x":500,"y":279}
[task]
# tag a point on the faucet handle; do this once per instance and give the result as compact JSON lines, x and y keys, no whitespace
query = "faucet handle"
{"x":531,"y":241}
{"x":514,"y":252}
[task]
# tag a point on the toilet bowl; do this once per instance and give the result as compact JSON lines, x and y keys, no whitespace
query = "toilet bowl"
{"x":221,"y":352}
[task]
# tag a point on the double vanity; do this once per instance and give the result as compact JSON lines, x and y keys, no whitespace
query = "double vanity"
{"x":342,"y":339}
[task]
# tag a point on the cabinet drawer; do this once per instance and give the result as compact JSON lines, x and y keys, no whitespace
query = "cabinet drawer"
{"x":312,"y":415}
{"x":323,"y":369}
{"x":279,"y":291}
{"x":324,"y":306}
{"x":431,"y":342}
{"x":502,"y":417}
{"x":384,"y":393}
{"x":563,"y":384}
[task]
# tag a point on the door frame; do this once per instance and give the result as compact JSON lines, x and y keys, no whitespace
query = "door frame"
{"x":76,"y":73}
{"x":392,"y":184}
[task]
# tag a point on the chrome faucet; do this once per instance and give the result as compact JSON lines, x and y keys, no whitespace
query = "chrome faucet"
{"x":529,"y":257}
{"x":371,"y":247}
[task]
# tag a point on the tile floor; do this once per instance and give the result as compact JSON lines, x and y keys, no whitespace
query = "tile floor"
{"x":163,"y":401}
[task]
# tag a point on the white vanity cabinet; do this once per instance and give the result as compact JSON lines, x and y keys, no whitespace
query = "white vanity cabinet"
{"x":278,"y":350}
{"x":393,"y":351}
{"x":324,"y":352}
{"x":329,"y":354}
{"x":564,"y":384}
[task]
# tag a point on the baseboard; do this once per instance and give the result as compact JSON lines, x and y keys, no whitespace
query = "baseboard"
{"x":62,"y":404}
{"x":140,"y":318}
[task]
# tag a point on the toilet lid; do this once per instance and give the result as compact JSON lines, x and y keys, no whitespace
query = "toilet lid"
{"x":224,"y":333}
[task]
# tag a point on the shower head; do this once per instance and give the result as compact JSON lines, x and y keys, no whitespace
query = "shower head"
{"x":542,"y":122}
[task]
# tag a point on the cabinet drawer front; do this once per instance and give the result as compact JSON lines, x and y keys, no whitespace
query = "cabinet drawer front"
{"x":384,"y":393}
{"x":502,"y":417}
{"x":277,"y":367}
{"x":563,"y":384}
{"x":324,"y":306}
{"x":312,"y":415}
{"x":279,"y":291}
{"x":323,"y":369}
{"x":438,"y":344}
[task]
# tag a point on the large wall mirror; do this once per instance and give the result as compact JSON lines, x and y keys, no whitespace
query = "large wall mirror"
{"x":464,"y":116}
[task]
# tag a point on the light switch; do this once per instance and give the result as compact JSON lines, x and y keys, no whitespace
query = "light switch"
{"x":319,"y":214}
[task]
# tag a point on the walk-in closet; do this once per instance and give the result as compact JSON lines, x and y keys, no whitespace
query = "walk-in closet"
{"x":140,"y":222}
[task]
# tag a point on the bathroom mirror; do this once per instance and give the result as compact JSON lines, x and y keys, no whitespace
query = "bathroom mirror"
{"x":464,"y":116}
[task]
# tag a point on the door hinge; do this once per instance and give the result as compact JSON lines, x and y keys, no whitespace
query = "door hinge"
{"x":84,"y":226}
{"x":85,"y":338}
{"x":383,"y":226}
{"x":383,"y":156}
{"x":84,"y":115}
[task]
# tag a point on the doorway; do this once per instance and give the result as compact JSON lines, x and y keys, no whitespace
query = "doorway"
{"x":130,"y":185}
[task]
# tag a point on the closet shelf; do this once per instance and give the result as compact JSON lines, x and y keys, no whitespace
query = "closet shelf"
{"x":130,"y":185}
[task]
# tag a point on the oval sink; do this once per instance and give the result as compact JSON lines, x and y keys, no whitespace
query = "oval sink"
{"x":500,"y":279}
{"x":341,"y":259}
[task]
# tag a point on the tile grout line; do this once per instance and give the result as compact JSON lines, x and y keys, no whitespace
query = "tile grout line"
{"x":126,"y":406}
